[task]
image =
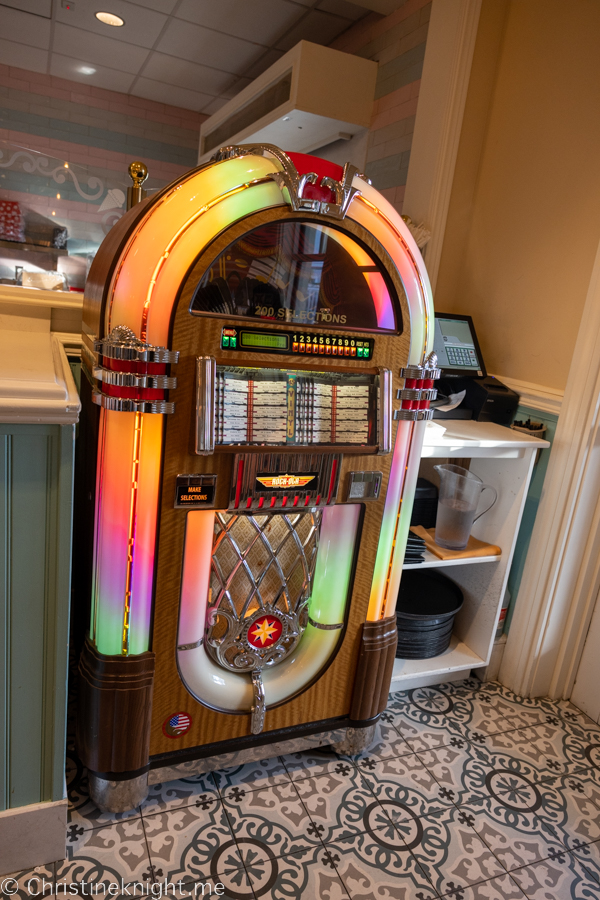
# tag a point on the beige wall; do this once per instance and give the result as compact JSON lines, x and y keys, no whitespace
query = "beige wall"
{"x":524,"y":219}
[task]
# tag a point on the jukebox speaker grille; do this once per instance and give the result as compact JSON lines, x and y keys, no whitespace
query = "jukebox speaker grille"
{"x":261,"y":580}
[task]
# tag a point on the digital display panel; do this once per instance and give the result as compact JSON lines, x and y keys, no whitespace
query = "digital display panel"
{"x":266,"y":341}
{"x":352,"y":348}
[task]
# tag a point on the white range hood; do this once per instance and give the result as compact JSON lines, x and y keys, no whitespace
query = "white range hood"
{"x":308,"y":99}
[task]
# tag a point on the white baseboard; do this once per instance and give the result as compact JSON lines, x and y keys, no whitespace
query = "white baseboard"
{"x":32,"y":836}
{"x":537,"y":396}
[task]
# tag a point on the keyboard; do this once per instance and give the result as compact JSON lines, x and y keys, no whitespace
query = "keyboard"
{"x":461,"y":356}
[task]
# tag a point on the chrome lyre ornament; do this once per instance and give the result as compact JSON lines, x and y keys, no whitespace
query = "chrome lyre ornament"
{"x":261,"y":580}
{"x":343,"y":191}
{"x":293,"y":184}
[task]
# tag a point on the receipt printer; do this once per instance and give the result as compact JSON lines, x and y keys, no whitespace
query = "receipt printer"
{"x":486,"y":399}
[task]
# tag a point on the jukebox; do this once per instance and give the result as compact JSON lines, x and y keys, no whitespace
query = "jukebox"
{"x":256,"y":341}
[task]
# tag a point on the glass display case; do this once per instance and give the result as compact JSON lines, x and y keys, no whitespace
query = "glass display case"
{"x":54,"y":214}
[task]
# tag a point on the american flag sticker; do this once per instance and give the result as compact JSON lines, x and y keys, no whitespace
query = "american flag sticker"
{"x":177,"y":725}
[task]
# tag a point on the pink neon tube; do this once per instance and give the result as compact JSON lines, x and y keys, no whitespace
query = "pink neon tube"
{"x":115,"y":528}
{"x":199,"y":536}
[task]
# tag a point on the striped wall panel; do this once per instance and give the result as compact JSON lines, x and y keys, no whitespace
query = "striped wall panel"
{"x":397,"y":42}
{"x":99,"y":129}
{"x":107,"y":138}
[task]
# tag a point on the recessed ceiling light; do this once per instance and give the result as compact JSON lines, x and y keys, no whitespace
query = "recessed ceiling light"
{"x":86,"y":70}
{"x":110,"y":19}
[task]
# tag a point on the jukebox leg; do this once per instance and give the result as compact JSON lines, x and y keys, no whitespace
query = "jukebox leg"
{"x":374,"y":670}
{"x":356,"y":740}
{"x":113,"y":726}
{"x":371,"y":684}
{"x":118,"y":796}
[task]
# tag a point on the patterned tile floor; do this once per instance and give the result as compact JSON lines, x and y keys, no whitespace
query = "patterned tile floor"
{"x":467,"y":793}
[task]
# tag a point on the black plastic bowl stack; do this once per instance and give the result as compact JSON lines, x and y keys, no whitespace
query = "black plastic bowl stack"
{"x":427,"y":604}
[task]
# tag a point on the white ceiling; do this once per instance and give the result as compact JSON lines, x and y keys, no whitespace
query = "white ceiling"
{"x":191,"y":53}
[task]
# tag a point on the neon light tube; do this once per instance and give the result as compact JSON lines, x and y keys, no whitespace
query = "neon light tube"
{"x":333,"y":567}
{"x":142,"y":573}
{"x":404,"y":516}
{"x":195,"y":579}
{"x":125,"y":548}
{"x":387,"y":534}
{"x":380,"y":218}
{"x":360,"y":256}
{"x":379,"y":291}
{"x":381,"y":298}
{"x":376,"y":214}
{"x":115,"y":464}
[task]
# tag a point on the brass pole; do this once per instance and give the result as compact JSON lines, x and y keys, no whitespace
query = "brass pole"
{"x":138,"y":173}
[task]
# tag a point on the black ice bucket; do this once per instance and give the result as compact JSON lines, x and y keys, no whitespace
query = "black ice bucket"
{"x":427,"y":604}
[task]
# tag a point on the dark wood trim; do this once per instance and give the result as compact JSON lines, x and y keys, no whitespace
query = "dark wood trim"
{"x":115,"y":709}
{"x":374,"y":670}
{"x":266,"y":739}
{"x":256,"y":740}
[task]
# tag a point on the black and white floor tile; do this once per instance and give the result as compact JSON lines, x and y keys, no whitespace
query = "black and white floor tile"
{"x":467,"y":792}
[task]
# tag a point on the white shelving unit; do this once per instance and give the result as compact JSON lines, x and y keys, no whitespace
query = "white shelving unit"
{"x":433,"y":562}
{"x":504,"y":459}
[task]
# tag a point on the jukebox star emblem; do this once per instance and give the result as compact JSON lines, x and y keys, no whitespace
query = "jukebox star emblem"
{"x":265,"y":632}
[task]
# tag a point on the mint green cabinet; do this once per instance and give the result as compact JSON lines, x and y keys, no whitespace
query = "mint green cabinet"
{"x":36,"y":497}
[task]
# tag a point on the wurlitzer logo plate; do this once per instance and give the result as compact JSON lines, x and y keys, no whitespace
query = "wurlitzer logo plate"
{"x":285,"y":482}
